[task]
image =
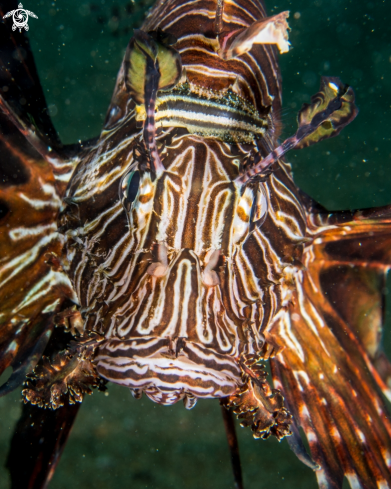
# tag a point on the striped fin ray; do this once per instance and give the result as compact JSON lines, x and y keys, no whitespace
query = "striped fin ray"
{"x":32,"y":284}
{"x":333,"y":371}
{"x":362,"y":236}
{"x":31,"y":290}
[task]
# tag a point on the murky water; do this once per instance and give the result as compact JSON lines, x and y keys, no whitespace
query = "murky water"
{"x":120,"y":442}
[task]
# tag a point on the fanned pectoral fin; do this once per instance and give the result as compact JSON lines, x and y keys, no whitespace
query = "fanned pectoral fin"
{"x":352,"y":256}
{"x":337,"y":399}
{"x":26,"y":353}
{"x":357,"y":294}
{"x":327,"y":371}
{"x":19,"y":80}
{"x":33,"y":177}
{"x":31,"y":290}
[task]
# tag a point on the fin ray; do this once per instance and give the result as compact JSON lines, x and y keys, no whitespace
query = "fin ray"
{"x":332,"y":380}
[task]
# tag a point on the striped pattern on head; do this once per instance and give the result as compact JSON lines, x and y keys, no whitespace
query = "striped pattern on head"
{"x":189,"y":274}
{"x":193,"y":23}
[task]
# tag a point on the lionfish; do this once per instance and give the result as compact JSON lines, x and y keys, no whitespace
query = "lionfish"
{"x":174,"y":254}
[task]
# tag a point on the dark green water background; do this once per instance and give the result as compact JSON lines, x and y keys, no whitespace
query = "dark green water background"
{"x":118,"y":442}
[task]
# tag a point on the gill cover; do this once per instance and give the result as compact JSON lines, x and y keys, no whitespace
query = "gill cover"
{"x":146,"y":51}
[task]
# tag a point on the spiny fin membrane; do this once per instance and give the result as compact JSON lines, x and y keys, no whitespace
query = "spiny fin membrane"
{"x":328,"y":371}
{"x":257,"y":405}
{"x":155,"y":47}
{"x":365,"y":236}
{"x":334,"y":98}
{"x":66,"y":377}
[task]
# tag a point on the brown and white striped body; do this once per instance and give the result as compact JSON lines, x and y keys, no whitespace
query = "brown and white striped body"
{"x":189,"y":256}
{"x":196,"y":271}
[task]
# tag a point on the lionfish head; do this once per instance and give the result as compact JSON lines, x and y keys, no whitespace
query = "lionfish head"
{"x":180,"y":267}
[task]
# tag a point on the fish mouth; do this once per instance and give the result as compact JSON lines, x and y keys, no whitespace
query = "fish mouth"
{"x":177,"y":335}
{"x":168,"y":371}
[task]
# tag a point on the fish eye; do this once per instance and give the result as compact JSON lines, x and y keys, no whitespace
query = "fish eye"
{"x":129,"y":188}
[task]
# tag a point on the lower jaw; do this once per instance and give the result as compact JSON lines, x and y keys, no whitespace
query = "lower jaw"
{"x":147,"y":365}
